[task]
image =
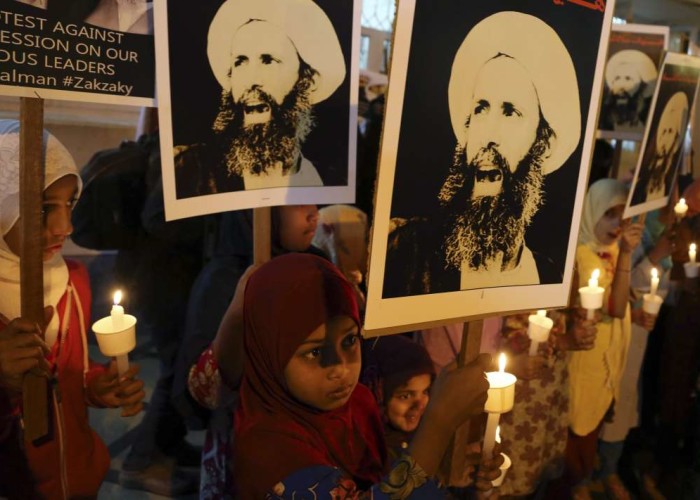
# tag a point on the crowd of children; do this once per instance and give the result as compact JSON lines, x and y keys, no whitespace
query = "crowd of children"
{"x":296,"y":403}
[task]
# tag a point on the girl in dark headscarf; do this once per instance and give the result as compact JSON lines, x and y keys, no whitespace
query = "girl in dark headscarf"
{"x":198,"y":390}
{"x":304,"y":425}
{"x":399,"y":373}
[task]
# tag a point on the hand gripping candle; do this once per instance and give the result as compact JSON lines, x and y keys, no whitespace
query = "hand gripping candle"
{"x":501,"y":396}
{"x":539,"y":326}
{"x":116,"y":334}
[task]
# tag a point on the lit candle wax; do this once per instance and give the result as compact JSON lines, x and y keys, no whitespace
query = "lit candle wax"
{"x":117,"y":312}
{"x":592,"y":295}
{"x":692,"y":252}
{"x":654,"y":281}
{"x":504,"y":469}
{"x":539,"y":326}
{"x":504,"y":466}
{"x":501,"y":396}
{"x":681,"y":208}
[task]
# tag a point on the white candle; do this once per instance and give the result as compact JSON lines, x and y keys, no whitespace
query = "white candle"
{"x":539,"y":326}
{"x":592,"y":295}
{"x":593,"y":282}
{"x":692,"y":252}
{"x":681,"y":208}
{"x":654,"y":281}
{"x":490,"y":435}
{"x":117,"y":312}
{"x":501,"y":397}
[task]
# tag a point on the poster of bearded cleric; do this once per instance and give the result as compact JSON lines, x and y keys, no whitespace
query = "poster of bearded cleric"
{"x":662,"y":149}
{"x":491,"y":114}
{"x":90,"y":50}
{"x":635,"y":54}
{"x":256,"y":103}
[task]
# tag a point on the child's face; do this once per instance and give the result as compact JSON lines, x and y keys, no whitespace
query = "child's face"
{"x":297,"y":226}
{"x":406,"y":406}
{"x":609,"y":226}
{"x":324,"y":370}
{"x":59,"y":199}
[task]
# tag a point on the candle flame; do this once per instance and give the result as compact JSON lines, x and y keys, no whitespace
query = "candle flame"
{"x":681,"y":202}
{"x":502,"y":363}
{"x":595,"y":274}
{"x":654,"y":273}
{"x":498,"y":433}
{"x":693,"y":247}
{"x":542,"y":313}
{"x":117,"y":297}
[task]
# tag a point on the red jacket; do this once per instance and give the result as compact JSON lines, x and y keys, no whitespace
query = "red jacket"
{"x":73,"y":460}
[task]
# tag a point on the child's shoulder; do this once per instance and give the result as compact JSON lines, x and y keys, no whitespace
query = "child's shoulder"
{"x":78,"y":273}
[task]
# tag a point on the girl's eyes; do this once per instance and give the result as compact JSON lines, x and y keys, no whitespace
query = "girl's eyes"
{"x":351,"y":340}
{"x":49,"y":207}
{"x":313,"y":354}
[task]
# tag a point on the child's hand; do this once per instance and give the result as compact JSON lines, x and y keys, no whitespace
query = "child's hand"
{"x":489,"y":469}
{"x":581,"y":332}
{"x":125,"y":392}
{"x":643,"y":319}
{"x":21,"y":351}
{"x":527,"y":367}
{"x":631,"y":236}
{"x":460,"y":392}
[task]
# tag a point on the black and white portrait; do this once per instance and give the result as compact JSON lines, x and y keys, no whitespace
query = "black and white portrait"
{"x":634,"y":57}
{"x":273,"y":111}
{"x":662,"y":149}
{"x":486,"y":204}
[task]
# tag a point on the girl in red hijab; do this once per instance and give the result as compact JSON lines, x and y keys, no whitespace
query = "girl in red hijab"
{"x":305,"y":426}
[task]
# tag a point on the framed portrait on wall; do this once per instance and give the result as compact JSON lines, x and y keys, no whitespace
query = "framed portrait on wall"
{"x":635,"y":54}
{"x":258,"y":103}
{"x":488,"y":132}
{"x":664,"y":138}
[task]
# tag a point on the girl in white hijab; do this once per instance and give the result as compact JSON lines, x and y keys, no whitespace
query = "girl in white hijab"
{"x":72,"y":460}
{"x":606,"y":243}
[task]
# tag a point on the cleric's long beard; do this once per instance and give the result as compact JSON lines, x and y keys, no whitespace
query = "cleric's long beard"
{"x":259,"y":148}
{"x":660,"y":165}
{"x":480,"y":230}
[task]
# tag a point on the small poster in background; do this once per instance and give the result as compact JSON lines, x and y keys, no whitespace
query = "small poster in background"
{"x":665,"y":134}
{"x":78,"y":51}
{"x":490,"y":120}
{"x":258,"y":103}
{"x":635,"y":54}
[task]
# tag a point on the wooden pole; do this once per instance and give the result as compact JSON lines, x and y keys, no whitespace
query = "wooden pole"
{"x":262,"y":235}
{"x":453,"y":464}
{"x":35,"y":388}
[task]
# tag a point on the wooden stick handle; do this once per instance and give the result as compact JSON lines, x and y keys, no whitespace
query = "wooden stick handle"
{"x":453,"y":464}
{"x":262,"y":235}
{"x":35,"y":388}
